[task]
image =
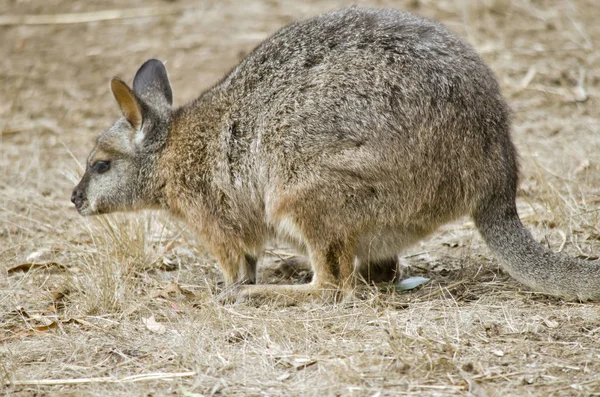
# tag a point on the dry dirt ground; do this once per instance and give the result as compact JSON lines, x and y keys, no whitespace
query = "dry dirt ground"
{"x":125,"y":304}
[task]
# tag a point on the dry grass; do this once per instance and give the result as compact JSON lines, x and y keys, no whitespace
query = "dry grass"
{"x":125,"y":305}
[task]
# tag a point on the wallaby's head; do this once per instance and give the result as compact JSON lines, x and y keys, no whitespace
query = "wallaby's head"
{"x":120,"y":172}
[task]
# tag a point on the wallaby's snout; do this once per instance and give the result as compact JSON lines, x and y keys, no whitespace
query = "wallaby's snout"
{"x":79,"y":198}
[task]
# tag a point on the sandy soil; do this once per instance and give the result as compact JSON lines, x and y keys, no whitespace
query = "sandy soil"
{"x":124,"y":305}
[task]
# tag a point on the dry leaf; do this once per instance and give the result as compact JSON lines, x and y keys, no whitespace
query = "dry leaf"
{"x":583,"y":165}
{"x":154,"y":326}
{"x":47,"y":323}
{"x":171,"y":290}
{"x":17,"y":335}
{"x":43,"y":328}
{"x":297,"y":362}
{"x":38,"y":256}
{"x":58,"y":299}
{"x":580,"y":94}
{"x":25,"y":267}
{"x":79,"y":322}
{"x":301,"y":362}
{"x":60,"y":294}
{"x":236,"y":336}
{"x":168,"y":265}
{"x":498,"y":353}
{"x":288,"y":358}
{"x":187,"y":393}
{"x":19,"y":312}
{"x":44,"y":320}
{"x":546,"y":321}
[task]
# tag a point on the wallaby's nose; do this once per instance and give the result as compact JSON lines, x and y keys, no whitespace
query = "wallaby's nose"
{"x":76,"y":197}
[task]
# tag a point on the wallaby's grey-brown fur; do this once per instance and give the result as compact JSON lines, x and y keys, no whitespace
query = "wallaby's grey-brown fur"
{"x":351,"y":135}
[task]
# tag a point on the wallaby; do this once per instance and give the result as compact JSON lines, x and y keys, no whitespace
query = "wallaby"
{"x":351,"y":135}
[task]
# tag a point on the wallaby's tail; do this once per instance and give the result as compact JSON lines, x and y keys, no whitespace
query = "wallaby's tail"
{"x":528,"y":261}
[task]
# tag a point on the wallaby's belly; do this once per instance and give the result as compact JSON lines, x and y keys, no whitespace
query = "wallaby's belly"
{"x":386,"y":243}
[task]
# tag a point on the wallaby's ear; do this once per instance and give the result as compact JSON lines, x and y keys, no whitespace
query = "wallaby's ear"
{"x":127,"y":101}
{"x":151,"y":84}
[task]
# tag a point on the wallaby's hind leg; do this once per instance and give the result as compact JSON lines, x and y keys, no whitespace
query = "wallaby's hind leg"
{"x":286,"y":295}
{"x":380,"y":271}
{"x":333,"y":275}
{"x":237,"y":268}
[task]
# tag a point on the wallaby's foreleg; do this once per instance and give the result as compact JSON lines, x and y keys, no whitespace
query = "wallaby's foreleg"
{"x":333,"y":263}
{"x":248,"y":275}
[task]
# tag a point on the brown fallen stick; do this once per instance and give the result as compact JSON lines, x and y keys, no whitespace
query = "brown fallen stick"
{"x":85,"y":17}
{"x":103,"y":379}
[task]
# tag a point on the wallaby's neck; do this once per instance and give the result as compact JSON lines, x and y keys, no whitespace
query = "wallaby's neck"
{"x":189,"y":158}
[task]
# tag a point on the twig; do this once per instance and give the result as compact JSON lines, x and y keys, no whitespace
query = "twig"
{"x":564,"y":240}
{"x":491,"y":377}
{"x":430,"y":294}
{"x":281,"y":255}
{"x":474,"y":388}
{"x":85,"y":17}
{"x":103,"y":379}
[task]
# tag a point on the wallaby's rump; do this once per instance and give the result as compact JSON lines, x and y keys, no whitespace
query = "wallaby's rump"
{"x":350,"y":135}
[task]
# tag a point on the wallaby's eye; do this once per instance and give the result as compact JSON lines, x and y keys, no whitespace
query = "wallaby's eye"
{"x":101,"y":167}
